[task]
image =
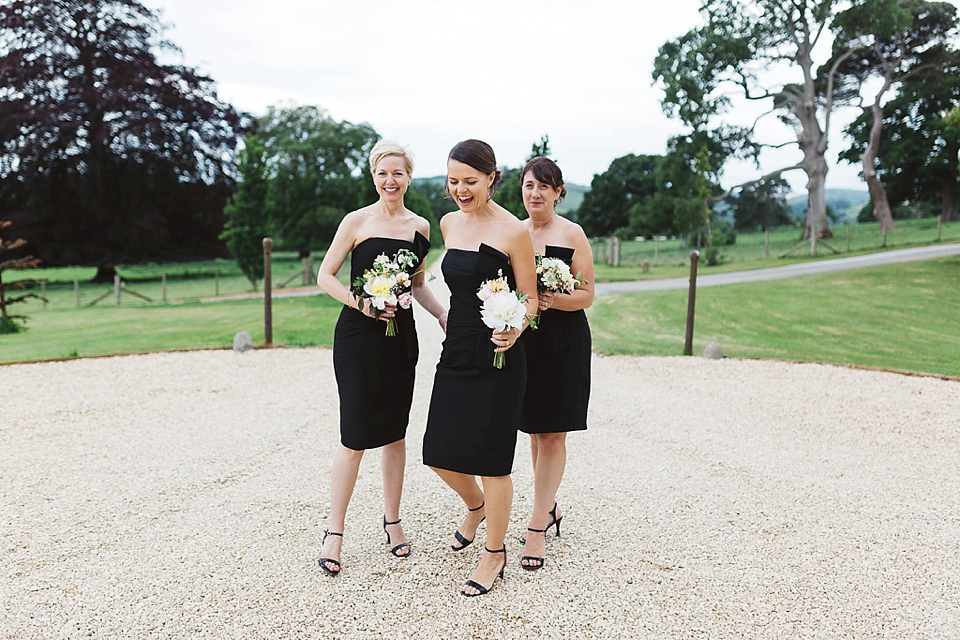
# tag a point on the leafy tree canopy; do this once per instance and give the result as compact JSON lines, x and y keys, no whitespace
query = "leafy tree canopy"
{"x":106,"y":154}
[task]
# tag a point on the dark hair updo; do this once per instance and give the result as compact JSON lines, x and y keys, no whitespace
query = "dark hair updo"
{"x":479,"y":155}
{"x":546,"y":171}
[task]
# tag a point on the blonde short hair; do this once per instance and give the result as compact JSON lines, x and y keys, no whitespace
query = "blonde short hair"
{"x":386,"y":148}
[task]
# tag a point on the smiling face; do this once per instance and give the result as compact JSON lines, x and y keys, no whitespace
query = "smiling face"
{"x":538,"y":197}
{"x":391,"y":178}
{"x":469,"y":187}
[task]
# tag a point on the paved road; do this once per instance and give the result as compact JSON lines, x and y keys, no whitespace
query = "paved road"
{"x":787,"y":271}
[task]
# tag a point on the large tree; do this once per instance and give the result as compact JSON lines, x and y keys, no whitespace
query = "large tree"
{"x":319,"y":172}
{"x":890,"y":40}
{"x":605,"y":209}
{"x":920,"y":152}
{"x":744,"y":48}
{"x":761,"y":205}
{"x":248,"y":211}
{"x":108,"y":154}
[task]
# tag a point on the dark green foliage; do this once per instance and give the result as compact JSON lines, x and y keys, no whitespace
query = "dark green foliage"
{"x":318,"y":173}
{"x":248,"y":213}
{"x":418,"y":203}
{"x":606,"y":208}
{"x":761,"y":205}
{"x":919,"y":151}
{"x":8,"y":321}
{"x":108,"y":155}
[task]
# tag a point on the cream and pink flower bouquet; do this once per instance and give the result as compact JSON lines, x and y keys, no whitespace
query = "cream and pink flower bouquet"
{"x":388,"y":282}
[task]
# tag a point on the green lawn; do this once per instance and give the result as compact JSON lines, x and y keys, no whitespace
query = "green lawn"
{"x":672,"y":258}
{"x":902,"y":316}
{"x":89,"y":331}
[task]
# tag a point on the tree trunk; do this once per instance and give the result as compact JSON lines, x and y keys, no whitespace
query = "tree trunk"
{"x":816,"y":170}
{"x":948,"y":200}
{"x":812,"y":141}
{"x":881,"y":205}
{"x":105,"y":273}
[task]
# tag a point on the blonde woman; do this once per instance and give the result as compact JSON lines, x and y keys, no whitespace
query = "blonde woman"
{"x":369,"y":364}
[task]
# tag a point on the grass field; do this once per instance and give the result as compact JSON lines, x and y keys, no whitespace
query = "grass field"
{"x":671,"y":258}
{"x":900,"y":316}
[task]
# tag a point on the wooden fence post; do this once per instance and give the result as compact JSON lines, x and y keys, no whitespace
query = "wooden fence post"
{"x":656,"y":251}
{"x":43,"y":292}
{"x":939,"y":223}
{"x":848,"y":237}
{"x":766,"y":244}
{"x":163,"y":285}
{"x":691,"y":303}
{"x":76,"y":290}
{"x":216,"y":280}
{"x":267,"y":294}
{"x":116,"y":287}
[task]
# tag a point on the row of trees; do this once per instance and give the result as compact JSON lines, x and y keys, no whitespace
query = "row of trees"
{"x":107,"y":154}
{"x":907,"y":44}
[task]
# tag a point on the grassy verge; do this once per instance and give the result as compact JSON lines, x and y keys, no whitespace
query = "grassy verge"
{"x":672,"y":258}
{"x":90,"y":331}
{"x":900,"y":316}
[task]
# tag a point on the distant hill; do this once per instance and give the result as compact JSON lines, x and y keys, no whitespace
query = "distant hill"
{"x":846,"y":202}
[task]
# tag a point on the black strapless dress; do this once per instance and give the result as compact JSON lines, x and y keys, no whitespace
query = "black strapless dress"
{"x":375,"y":372}
{"x":558,"y":368}
{"x":474,"y":408}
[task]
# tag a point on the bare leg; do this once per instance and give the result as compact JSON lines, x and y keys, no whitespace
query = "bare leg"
{"x":533,"y":449}
{"x":393,"y":460}
{"x":343,"y":478}
{"x":469,"y":491}
{"x":547,"y":475}
{"x":498,"y":493}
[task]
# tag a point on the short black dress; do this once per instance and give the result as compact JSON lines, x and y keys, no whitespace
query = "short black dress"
{"x":375,"y":372}
{"x":475,"y":407}
{"x":558,"y":368}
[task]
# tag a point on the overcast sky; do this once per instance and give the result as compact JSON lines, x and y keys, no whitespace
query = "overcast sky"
{"x":433,"y":72}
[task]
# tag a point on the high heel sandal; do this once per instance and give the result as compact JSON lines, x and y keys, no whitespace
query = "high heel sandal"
{"x":403,"y":545}
{"x":464,"y":543}
{"x":479,"y":587}
{"x":540,"y":560}
{"x":555,"y":521}
{"x":330,"y":572}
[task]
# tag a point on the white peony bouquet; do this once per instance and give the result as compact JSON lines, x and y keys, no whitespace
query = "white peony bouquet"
{"x":388,"y":282}
{"x":502,"y":309}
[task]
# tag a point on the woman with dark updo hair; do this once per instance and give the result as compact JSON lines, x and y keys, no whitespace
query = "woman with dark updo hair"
{"x":475,"y":407}
{"x":558,"y":353}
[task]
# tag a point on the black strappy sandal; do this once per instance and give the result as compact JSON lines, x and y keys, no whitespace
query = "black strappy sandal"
{"x":555,"y":521}
{"x":464,"y":543}
{"x":479,"y":587}
{"x":330,"y":572}
{"x":403,"y":545}
{"x":538,"y":559}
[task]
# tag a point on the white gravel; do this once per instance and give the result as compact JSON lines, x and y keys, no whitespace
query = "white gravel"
{"x":183,"y":495}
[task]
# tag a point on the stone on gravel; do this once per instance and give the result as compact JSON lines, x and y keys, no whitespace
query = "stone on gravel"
{"x":713,"y":351}
{"x":243,"y":341}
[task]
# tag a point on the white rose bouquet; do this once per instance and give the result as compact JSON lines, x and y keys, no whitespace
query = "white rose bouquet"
{"x":387,"y":282}
{"x":502,"y":309}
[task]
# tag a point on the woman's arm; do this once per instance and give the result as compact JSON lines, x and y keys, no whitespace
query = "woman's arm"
{"x":423,"y":294}
{"x":582,"y":296}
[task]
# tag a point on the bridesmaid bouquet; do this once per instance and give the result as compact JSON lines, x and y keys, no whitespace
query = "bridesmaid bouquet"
{"x":387,"y":282}
{"x":553,"y":274}
{"x":502,"y":308}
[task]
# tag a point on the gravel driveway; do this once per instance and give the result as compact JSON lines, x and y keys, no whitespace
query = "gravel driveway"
{"x":184,"y":495}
